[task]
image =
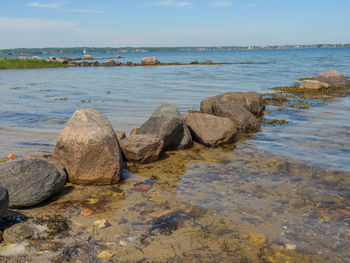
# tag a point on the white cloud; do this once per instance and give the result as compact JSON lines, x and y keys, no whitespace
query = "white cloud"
{"x":37,"y":4}
{"x":82,"y":11}
{"x":221,"y":4}
{"x":174,"y":3}
{"x":251,"y":5}
{"x":20,"y":24}
{"x":57,"y":7}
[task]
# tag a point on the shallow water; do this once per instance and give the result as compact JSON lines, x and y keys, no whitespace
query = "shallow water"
{"x":289,"y":183}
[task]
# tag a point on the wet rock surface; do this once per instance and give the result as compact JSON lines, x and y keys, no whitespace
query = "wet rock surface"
{"x":142,"y":148}
{"x":89,"y":150}
{"x":168,"y":124}
{"x":4,"y":201}
{"x":211,"y":130}
{"x":30,"y":181}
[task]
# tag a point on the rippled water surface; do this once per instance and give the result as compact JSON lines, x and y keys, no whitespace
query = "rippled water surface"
{"x":287,"y":182}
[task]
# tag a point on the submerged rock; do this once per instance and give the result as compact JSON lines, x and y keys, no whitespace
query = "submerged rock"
{"x":17,"y":233}
{"x":149,"y":61}
{"x":333,"y":78}
{"x":89,"y":150}
{"x":314,"y":85}
{"x":211,"y":130}
{"x":168,"y":124}
{"x":4,"y":201}
{"x":142,"y":148}
{"x":30,"y":181}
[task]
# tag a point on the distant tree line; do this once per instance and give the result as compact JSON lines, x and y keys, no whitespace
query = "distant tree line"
{"x":78,"y":50}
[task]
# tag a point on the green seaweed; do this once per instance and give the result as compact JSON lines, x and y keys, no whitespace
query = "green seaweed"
{"x":13,"y":63}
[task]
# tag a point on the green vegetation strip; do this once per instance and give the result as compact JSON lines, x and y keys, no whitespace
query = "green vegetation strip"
{"x":6,"y":63}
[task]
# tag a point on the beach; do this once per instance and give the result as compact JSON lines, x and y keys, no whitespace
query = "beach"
{"x":280,"y":194}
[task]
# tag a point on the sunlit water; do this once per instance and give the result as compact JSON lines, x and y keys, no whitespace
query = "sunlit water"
{"x":289,"y":182}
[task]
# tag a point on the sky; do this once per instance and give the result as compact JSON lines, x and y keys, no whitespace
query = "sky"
{"x":169,"y":23}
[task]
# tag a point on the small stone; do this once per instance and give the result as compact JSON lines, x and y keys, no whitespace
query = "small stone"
{"x":161,"y":213}
{"x":257,"y":240}
{"x":290,"y":246}
{"x":92,"y":201}
{"x":18,"y":233}
{"x":122,"y":243}
{"x":87,"y":212}
{"x":105,"y":254}
{"x":117,"y":196}
{"x":11,"y":156}
{"x":102,"y":223}
{"x":141,"y":188}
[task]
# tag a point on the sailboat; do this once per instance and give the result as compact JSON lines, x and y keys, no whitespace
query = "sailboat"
{"x":84,"y":51}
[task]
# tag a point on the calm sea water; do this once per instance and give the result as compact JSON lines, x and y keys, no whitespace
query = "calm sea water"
{"x":35,"y":104}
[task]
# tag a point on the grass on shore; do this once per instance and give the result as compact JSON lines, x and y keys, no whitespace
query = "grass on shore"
{"x":6,"y":63}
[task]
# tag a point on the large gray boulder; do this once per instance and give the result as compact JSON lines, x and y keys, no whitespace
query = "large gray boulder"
{"x":89,"y":150}
{"x":30,"y":181}
{"x":142,"y":148}
{"x":4,"y":201}
{"x":211,"y":130}
{"x":168,"y":124}
{"x":333,"y":78}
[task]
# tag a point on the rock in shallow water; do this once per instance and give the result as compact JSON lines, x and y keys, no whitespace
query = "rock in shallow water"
{"x":314,"y":85}
{"x":333,"y":78}
{"x":4,"y":201}
{"x":240,"y":107}
{"x":30,"y":181}
{"x":17,"y":233}
{"x":89,"y":150}
{"x":142,"y":148}
{"x":168,"y":124}
{"x":211,"y":130}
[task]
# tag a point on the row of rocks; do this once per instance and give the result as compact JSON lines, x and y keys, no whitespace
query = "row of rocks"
{"x":90,"y":151}
{"x":326,"y":80}
{"x":81,"y":62}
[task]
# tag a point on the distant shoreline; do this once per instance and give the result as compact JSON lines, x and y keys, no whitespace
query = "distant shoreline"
{"x":56,"y":50}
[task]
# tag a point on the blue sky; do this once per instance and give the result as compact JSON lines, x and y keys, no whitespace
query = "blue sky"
{"x":117,"y":23}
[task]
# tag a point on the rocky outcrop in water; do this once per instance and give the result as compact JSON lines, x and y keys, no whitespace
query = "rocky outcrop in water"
{"x":88,"y":57}
{"x":89,"y":150}
{"x":211,"y":130}
{"x":333,"y":78}
{"x":168,"y":124}
{"x":4,"y":201}
{"x":142,"y":148}
{"x":314,"y":85}
{"x":240,"y":107}
{"x":150,"y":61}
{"x":30,"y":181}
